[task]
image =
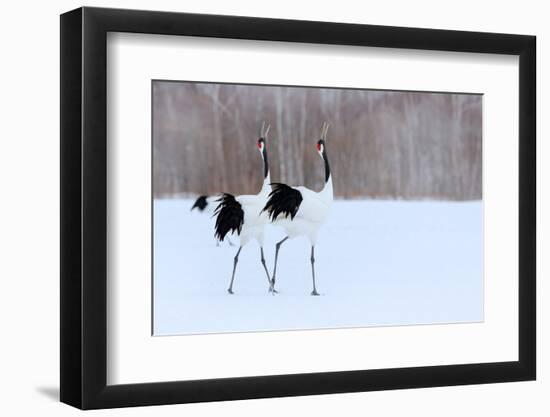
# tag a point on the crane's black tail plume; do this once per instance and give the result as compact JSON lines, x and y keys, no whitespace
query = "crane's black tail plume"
{"x":201,"y":203}
{"x":283,"y":200}
{"x":229,"y":216}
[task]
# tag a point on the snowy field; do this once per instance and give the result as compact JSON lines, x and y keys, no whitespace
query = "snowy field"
{"x":378,"y":263}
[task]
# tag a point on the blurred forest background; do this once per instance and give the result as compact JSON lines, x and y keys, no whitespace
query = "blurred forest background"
{"x":381,"y":144}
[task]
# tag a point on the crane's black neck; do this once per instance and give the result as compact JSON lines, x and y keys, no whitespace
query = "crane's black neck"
{"x":327,"y":165}
{"x":266,"y":163}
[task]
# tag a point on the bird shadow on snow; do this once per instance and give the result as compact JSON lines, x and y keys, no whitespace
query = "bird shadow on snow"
{"x":49,"y":392}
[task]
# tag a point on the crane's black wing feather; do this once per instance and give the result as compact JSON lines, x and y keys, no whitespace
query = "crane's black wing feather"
{"x":283,"y":200}
{"x":229,"y":216}
{"x":201,"y":203}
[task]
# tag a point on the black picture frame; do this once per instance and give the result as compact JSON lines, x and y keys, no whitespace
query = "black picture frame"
{"x":84,"y":207}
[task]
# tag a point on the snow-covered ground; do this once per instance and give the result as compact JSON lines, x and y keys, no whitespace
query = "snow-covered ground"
{"x":378,"y":263}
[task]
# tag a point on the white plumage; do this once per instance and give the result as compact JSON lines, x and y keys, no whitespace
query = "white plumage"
{"x":311,"y":214}
{"x":254,"y":222}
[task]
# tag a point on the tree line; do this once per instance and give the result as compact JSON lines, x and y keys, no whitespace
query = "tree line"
{"x":381,"y":144}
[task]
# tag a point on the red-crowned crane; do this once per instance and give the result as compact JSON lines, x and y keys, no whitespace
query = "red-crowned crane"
{"x":242,"y":214}
{"x":301,"y":211}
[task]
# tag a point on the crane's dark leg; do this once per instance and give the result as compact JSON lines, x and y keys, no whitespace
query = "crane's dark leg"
{"x":271,"y":289}
{"x":235,"y":260}
{"x":277,"y":247}
{"x":314,"y":292}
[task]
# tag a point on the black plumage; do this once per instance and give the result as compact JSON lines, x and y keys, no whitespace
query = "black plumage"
{"x":229,"y":216}
{"x":283,"y":200}
{"x":325,"y":157}
{"x":201,"y":203}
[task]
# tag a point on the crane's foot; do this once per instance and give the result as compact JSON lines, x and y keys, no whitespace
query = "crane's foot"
{"x":230,"y":291}
{"x":314,"y":292}
{"x":272,"y":289}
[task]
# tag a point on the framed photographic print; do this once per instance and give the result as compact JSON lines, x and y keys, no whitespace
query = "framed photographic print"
{"x":256,"y":208}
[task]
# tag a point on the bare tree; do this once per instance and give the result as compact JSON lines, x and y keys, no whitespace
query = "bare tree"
{"x":382,"y":144}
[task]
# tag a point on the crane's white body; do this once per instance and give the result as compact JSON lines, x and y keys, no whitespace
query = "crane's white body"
{"x":311,"y":214}
{"x":254,"y":220}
